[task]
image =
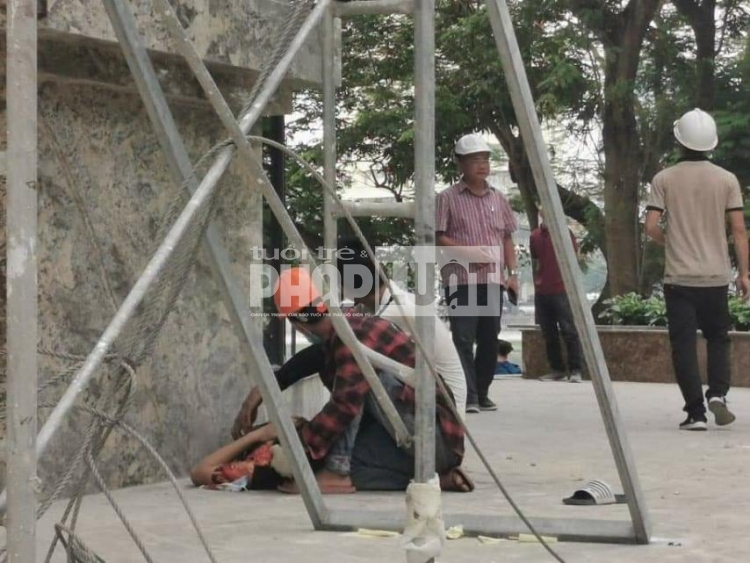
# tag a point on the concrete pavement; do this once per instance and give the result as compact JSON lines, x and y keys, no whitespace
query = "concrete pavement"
{"x":545,"y":441}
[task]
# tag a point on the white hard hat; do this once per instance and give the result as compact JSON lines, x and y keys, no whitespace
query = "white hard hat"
{"x":470,"y":144}
{"x":696,"y":130}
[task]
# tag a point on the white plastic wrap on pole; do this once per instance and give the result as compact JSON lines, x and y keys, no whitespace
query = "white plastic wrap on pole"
{"x":424,"y":534}
{"x":254,"y":167}
{"x":374,"y":7}
{"x":21,"y":227}
{"x":405,"y":209}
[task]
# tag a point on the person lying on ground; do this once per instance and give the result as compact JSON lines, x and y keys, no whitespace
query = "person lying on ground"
{"x":247,"y":459}
{"x":351,"y":436}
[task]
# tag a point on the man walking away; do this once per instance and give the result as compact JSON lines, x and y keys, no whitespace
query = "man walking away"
{"x":697,"y":198}
{"x":552,"y":309}
{"x":475,"y":222}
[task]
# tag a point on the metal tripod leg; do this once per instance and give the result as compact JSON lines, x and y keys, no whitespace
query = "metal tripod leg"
{"x":181,"y":168}
{"x":253,"y":165}
{"x":531,"y":132}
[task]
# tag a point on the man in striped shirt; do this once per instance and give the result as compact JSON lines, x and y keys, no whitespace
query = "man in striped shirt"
{"x":474,"y":225}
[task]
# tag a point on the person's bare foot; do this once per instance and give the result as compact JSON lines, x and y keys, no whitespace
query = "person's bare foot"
{"x":456,"y":481}
{"x":330,"y":483}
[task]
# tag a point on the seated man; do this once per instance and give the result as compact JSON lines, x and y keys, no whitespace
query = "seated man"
{"x":395,"y":308}
{"x":373,"y":461}
{"x":398,"y":306}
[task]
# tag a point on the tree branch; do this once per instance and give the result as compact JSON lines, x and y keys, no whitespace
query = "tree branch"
{"x":608,"y":22}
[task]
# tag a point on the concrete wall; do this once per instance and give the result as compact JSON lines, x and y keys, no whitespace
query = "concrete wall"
{"x":103,"y":188}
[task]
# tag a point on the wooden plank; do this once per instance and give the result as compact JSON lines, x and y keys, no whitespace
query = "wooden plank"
{"x":373,"y":7}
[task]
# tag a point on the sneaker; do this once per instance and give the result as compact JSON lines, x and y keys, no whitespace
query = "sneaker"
{"x":575,"y":377}
{"x":694,"y":423}
{"x":554,"y":376}
{"x":722,"y":414}
{"x":487,"y":404}
{"x":472,"y":408}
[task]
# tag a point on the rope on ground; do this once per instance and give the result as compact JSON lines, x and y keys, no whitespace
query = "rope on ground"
{"x":116,"y":422}
{"x":93,"y":443}
{"x":75,"y":548}
{"x":116,"y":507}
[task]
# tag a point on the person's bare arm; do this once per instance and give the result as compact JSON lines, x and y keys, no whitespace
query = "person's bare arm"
{"x":304,"y":363}
{"x":653,"y":229}
{"x":510,"y":260}
{"x":509,"y":252}
{"x":248,"y":413}
{"x":201,"y":473}
{"x":739,"y":233}
{"x":478,"y":254}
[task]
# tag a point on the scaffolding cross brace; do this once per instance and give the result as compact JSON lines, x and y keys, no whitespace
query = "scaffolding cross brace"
{"x":324,"y":12}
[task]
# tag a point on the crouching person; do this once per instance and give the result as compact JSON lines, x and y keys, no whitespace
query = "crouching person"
{"x":350,"y":442}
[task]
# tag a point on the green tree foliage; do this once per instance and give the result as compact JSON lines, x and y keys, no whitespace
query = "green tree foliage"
{"x":625,"y":68}
{"x":377,"y":98}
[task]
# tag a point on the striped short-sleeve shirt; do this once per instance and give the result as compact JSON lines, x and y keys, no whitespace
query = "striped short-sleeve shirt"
{"x":471,"y":220}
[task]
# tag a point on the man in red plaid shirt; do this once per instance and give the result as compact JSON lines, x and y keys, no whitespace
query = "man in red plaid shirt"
{"x":376,"y":461}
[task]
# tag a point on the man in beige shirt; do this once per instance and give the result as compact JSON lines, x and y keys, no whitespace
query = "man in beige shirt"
{"x":697,"y":199}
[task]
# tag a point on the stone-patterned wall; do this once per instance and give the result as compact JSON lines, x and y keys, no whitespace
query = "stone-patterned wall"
{"x":638,"y":355}
{"x":239,"y":33}
{"x":104,"y":186}
{"x":100,"y":160}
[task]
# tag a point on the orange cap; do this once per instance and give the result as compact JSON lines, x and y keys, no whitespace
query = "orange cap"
{"x":296,"y":290}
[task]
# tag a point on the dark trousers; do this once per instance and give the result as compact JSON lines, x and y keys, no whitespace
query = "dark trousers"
{"x":690,"y":309}
{"x":554,"y":317}
{"x":475,"y":313}
{"x":377,"y":463}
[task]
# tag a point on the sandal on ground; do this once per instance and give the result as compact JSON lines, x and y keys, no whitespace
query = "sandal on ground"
{"x":595,"y":493}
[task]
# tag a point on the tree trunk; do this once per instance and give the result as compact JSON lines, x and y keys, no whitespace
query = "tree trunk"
{"x":621,"y":185}
{"x":702,"y":18}
{"x":623,"y":41}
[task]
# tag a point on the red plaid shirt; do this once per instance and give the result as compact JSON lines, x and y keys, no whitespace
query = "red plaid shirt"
{"x":348,"y":386}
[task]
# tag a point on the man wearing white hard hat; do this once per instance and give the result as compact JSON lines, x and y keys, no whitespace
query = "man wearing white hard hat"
{"x":697,"y":200}
{"x":474,"y":225}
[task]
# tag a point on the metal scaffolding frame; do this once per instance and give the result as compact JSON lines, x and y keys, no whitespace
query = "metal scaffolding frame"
{"x":25,"y":446}
{"x":20,"y":444}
